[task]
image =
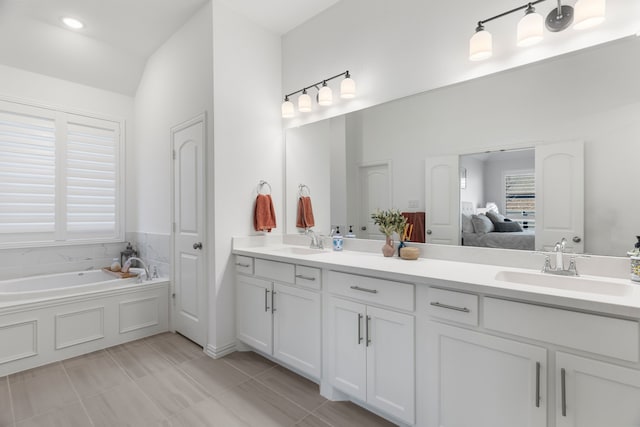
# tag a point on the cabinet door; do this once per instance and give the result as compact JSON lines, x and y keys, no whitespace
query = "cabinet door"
{"x":253,"y":312}
{"x":595,"y":394}
{"x":296,"y":328}
{"x":479,"y":380}
{"x":347,"y":351}
{"x":389,"y":338}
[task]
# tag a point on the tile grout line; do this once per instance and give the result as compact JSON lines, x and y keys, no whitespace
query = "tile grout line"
{"x":13,"y":412}
{"x":75,"y":390}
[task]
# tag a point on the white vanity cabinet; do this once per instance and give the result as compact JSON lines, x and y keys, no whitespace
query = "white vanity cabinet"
{"x":592,"y":393}
{"x":276,"y":315}
{"x":371,"y":349}
{"x":480,"y":380}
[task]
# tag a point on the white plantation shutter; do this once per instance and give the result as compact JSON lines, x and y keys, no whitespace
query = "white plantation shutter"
{"x":59,"y":177}
{"x":27,"y":173}
{"x":520,"y":194}
{"x":91,"y":178}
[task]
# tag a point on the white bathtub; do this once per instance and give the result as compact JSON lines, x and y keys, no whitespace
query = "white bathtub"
{"x":53,"y":317}
{"x":57,"y":285}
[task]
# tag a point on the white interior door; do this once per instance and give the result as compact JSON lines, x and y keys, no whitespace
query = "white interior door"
{"x":374,"y":194}
{"x":190,"y":305}
{"x":442,"y":198}
{"x":560,"y":179}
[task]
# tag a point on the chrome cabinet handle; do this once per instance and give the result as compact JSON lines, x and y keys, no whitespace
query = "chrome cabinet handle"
{"x":266,"y":298}
{"x":368,"y":330}
{"x":359,"y":328}
{"x":273,"y":304}
{"x":300,"y":276}
{"x":239,"y":264}
{"x":537,"y":384}
{"x":197,"y":245}
{"x":563,"y":391}
{"x":450,"y":307}
{"x":358,"y":288}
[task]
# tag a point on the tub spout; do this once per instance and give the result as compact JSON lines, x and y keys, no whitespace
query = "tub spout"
{"x":127,"y":265}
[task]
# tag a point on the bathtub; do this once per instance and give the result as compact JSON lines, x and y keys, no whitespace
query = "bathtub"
{"x":58,"y":285}
{"x":53,"y":317}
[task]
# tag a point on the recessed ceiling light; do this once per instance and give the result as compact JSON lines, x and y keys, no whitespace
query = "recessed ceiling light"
{"x":72,"y":23}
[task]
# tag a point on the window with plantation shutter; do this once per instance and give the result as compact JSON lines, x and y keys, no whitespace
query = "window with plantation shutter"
{"x":520,"y":194}
{"x":59,"y":177}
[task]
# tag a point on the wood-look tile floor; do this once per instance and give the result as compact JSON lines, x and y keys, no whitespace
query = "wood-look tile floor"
{"x":166,"y":380}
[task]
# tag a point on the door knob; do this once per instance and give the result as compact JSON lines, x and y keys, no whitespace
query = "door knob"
{"x":197,"y":245}
{"x":429,"y":232}
{"x":576,"y":239}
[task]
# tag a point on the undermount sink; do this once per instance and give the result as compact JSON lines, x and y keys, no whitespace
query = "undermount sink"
{"x":297,"y":250}
{"x":579,"y":284}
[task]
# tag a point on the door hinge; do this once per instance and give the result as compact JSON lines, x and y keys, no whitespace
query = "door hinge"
{"x":173,"y":227}
{"x":174,"y":154}
{"x":173,"y":295}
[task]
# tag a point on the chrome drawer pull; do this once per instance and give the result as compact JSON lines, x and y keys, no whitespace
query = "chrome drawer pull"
{"x":563,"y":391}
{"x":300,"y":276}
{"x":243,"y":265}
{"x":358,"y":288}
{"x":450,"y":307}
{"x":537,"y":384}
{"x":359,"y":328}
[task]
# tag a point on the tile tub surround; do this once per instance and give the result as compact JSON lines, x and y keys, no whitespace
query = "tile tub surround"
{"x":166,"y":380}
{"x":22,"y":262}
{"x":154,"y":249}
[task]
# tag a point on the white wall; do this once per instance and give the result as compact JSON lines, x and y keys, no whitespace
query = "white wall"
{"x":177,"y":84}
{"x":475,"y":189}
{"x":399,"y":48}
{"x":248,"y":147}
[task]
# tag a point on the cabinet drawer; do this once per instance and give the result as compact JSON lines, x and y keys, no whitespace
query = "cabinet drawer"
{"x":454,"y":306}
{"x":308,"y":277}
{"x":274,"y":270}
{"x":589,"y":332}
{"x":384,"y":292}
{"x":244,"y":264}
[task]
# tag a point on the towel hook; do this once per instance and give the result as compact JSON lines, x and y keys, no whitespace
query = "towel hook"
{"x":301,"y":190}
{"x":262,"y":184}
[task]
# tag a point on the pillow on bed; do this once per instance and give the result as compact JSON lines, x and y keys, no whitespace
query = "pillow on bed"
{"x":495,"y":217}
{"x":506,"y":227}
{"x":467,"y":225}
{"x":482,"y":224}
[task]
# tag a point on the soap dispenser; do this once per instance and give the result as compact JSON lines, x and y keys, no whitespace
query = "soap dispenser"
{"x":350,"y":234}
{"x":337,"y":240}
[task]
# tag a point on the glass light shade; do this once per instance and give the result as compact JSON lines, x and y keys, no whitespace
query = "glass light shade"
{"x":287,"y":110}
{"x":530,"y":29}
{"x":588,"y":13}
{"x":480,"y":46}
{"x":325,"y":96}
{"x":348,"y":88}
{"x":304,"y":103}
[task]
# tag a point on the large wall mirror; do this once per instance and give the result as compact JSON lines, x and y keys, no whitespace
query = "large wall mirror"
{"x":382,"y":156}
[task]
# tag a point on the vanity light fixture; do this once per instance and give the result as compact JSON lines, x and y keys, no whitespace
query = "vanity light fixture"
{"x":587,"y":13}
{"x":324,"y":96}
{"x":73,"y":23}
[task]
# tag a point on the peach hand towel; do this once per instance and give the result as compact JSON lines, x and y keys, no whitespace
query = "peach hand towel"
{"x":264,"y":218}
{"x":305,"y":218}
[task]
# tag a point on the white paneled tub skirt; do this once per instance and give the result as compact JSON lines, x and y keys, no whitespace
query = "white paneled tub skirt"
{"x":48,"y":318}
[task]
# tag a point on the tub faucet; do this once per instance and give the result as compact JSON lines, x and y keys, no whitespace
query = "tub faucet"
{"x":127,"y":265}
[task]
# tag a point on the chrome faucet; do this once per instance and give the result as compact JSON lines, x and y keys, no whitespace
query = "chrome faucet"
{"x":127,"y":265}
{"x":316,"y":239}
{"x":559,"y":269}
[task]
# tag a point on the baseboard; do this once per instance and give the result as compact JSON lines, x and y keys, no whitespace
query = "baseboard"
{"x":218,"y":352}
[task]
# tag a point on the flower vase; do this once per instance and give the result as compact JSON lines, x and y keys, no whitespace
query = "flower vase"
{"x":387,"y":249}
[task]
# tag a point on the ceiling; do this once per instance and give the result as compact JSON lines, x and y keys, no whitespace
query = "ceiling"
{"x":111,"y":51}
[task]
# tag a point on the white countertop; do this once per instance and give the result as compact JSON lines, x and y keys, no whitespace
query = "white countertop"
{"x":480,"y":278}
